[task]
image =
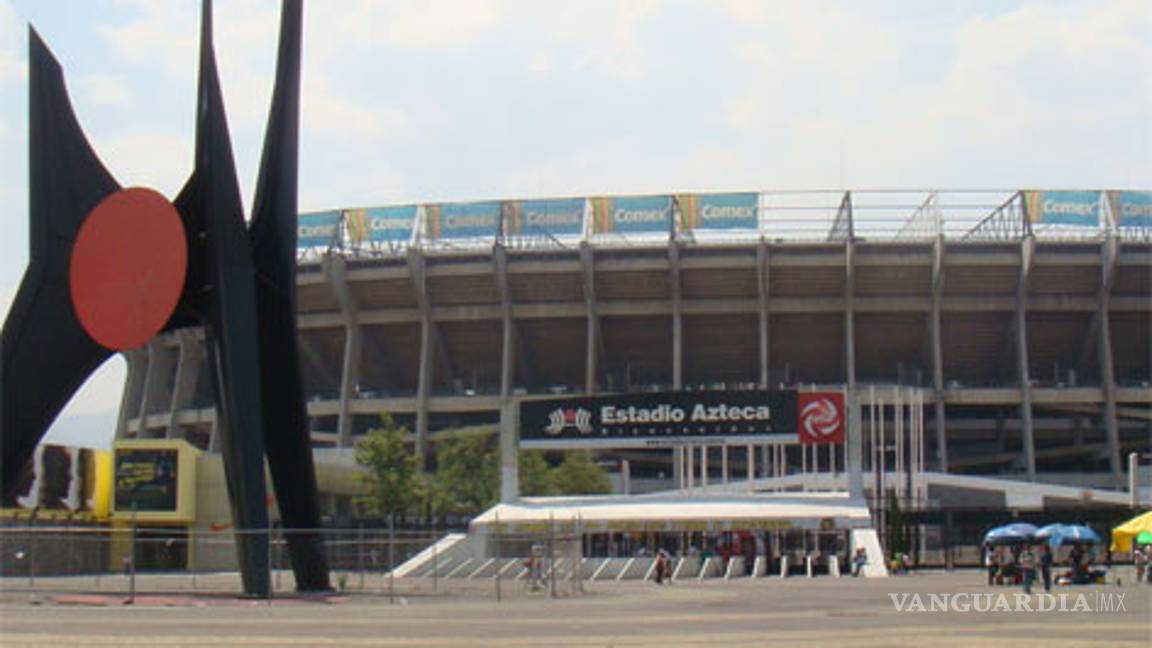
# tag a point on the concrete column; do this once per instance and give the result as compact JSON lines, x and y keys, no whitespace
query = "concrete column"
{"x":724,"y":465}
{"x":1107,"y":368}
{"x":703,"y":465}
{"x":155,"y":380}
{"x":687,"y":460}
{"x":762,"y":290}
{"x":750,"y":458}
{"x":130,"y":405}
{"x":500,"y":258}
{"x":1027,"y":251}
{"x":938,"y":355}
{"x":336,"y":273}
{"x":509,"y":451}
{"x":423,"y":386}
{"x":677,"y":317}
{"x":851,"y":400}
{"x":509,"y":427}
{"x":214,"y":434}
{"x":595,"y":344}
{"x":187,"y":371}
{"x":424,"y":382}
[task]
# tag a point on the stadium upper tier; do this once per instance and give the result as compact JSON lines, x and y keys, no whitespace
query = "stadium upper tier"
{"x":1033,"y":351}
{"x":705,"y":218}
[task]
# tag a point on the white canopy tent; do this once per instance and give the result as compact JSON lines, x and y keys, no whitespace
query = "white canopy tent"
{"x":677,"y":512}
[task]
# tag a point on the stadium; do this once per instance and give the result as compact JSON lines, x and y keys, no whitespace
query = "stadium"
{"x":1020,"y":319}
{"x":780,"y":368}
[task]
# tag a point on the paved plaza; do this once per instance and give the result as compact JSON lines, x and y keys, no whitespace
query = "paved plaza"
{"x":796,"y":611}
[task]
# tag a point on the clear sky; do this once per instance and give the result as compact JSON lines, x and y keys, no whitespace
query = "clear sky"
{"x":408,"y":101}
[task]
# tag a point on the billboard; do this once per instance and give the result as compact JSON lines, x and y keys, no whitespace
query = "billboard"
{"x":632,"y":214}
{"x":718,"y":211}
{"x":319,"y":229}
{"x":1133,"y":208}
{"x":552,"y":217}
{"x":660,"y":419}
{"x":146,"y":479}
{"x":1078,"y":208}
{"x":461,"y":220}
{"x":60,"y":478}
{"x":380,"y":224}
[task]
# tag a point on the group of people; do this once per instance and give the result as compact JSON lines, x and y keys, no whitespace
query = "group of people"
{"x":1019,"y":563}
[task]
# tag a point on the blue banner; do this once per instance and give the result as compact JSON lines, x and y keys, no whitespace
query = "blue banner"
{"x":320,"y":229}
{"x":1081,"y":208}
{"x":462,"y":220}
{"x":1134,"y":209}
{"x":553,"y":217}
{"x":380,"y":224}
{"x":635,"y":214}
{"x":718,"y":211}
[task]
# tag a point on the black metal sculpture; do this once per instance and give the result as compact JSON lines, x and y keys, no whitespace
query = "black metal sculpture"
{"x":238,"y":283}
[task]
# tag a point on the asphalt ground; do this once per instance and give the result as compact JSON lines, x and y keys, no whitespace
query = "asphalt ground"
{"x":794,"y":611}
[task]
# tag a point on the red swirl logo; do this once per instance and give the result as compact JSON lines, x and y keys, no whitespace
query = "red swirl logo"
{"x":821,"y":418}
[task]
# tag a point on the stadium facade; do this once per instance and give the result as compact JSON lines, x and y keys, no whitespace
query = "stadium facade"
{"x":1021,"y":318}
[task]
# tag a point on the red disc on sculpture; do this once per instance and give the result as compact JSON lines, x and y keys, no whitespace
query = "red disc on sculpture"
{"x":128,"y":267}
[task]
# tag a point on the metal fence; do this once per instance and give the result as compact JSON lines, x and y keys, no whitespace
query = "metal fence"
{"x":170,"y":561}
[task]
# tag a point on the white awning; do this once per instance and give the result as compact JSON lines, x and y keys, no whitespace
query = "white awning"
{"x":676,"y":513}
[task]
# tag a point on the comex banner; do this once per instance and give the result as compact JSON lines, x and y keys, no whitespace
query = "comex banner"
{"x":1079,"y":208}
{"x":718,"y":211}
{"x":1133,"y":208}
{"x":552,"y":217}
{"x":380,"y":224}
{"x":632,"y":214}
{"x":319,"y":229}
{"x":462,"y":220}
{"x":673,"y":418}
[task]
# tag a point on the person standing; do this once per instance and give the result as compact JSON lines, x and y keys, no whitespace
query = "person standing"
{"x":1140,"y":561}
{"x":1074,"y":560}
{"x":858,"y":561}
{"x":1046,"y":567}
{"x":1027,"y":567}
{"x":990,"y":562}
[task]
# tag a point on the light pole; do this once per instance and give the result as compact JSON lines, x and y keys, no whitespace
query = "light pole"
{"x":132,"y":555}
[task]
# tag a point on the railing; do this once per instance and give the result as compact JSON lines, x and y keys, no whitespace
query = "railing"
{"x":800,"y":216}
{"x":123,"y":563}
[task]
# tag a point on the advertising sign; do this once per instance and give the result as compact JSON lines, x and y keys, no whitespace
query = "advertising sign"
{"x":380,"y":224}
{"x":821,"y":417}
{"x":56,"y":478}
{"x":1080,"y":208}
{"x":1134,"y":209}
{"x":718,"y":211}
{"x":632,"y":214}
{"x":462,"y":220}
{"x":320,"y":229}
{"x":555,"y":217}
{"x":660,"y":419}
{"x":146,"y":479}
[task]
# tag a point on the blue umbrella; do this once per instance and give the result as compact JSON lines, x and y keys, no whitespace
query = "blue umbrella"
{"x":1066,"y":534}
{"x":1010,"y":533}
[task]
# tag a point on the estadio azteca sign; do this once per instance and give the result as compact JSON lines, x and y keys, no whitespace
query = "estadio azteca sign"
{"x":674,"y":418}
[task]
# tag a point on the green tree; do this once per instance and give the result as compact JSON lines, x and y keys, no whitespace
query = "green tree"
{"x":434,"y":498}
{"x":468,"y":468}
{"x":579,"y":474}
{"x":536,"y":476}
{"x":897,"y":526}
{"x":392,"y":476}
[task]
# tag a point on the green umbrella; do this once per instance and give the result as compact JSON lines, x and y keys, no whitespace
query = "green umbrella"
{"x":1144,"y":537}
